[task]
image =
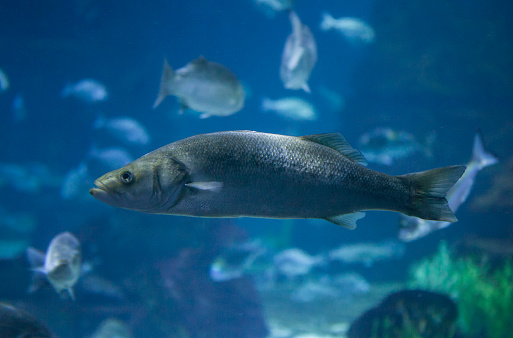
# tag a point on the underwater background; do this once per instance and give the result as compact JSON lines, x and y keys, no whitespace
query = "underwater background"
{"x":434,"y":68}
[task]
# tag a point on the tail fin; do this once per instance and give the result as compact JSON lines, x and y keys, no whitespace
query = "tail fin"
{"x":36,"y":260}
{"x":430,"y":187}
{"x":167,"y":75}
{"x":327,"y":21}
{"x":480,"y":156}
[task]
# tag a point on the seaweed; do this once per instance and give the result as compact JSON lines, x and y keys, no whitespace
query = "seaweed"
{"x":484,"y":296}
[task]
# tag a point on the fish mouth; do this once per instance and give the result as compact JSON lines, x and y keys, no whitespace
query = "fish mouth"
{"x":100,"y":191}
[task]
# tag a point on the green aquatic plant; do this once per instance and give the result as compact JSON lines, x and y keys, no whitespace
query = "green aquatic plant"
{"x":484,"y":297}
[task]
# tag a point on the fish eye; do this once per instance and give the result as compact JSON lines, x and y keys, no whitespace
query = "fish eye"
{"x":127,"y":177}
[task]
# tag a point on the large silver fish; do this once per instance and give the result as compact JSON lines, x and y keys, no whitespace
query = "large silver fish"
{"x":206,"y":87}
{"x":246,"y":173}
{"x":412,"y":228}
{"x":61,"y":264}
{"x":299,"y":56}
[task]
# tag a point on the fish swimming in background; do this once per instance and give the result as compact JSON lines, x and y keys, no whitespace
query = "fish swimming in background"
{"x":87,"y":90}
{"x":299,"y":56}
{"x":293,"y":108}
{"x":276,"y":5}
{"x":253,"y":174}
{"x":4,"y":81}
{"x":384,"y":145}
{"x":61,"y":264}
{"x":235,"y":261}
{"x":295,"y":262}
{"x":412,"y":228}
{"x":206,"y":87}
{"x":353,"y":29}
{"x":125,"y":129}
{"x":367,"y":253}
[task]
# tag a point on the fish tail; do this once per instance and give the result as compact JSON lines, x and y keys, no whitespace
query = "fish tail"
{"x":429,"y":189}
{"x":480,"y":155}
{"x":327,"y":21}
{"x":167,"y":75}
{"x":36,"y":260}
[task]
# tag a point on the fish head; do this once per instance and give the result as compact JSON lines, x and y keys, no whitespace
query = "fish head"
{"x":151,"y":184}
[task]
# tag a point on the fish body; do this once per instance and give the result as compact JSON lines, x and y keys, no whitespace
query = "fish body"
{"x":235,"y":261}
{"x":295,"y":262}
{"x":299,"y":56}
{"x":204,"y":86}
{"x":4,"y":81}
{"x":412,"y":228}
{"x":125,"y":129}
{"x":293,"y":108}
{"x":87,"y":90}
{"x":276,"y":5}
{"x":246,"y":173}
{"x":61,"y":264}
{"x":367,"y":253}
{"x":384,"y":145}
{"x":353,"y":29}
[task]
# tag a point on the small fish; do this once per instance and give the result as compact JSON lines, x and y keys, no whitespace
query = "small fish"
{"x":206,"y":87}
{"x":314,"y":290}
{"x":125,"y":129}
{"x":253,"y":174}
{"x":4,"y":81}
{"x":28,"y":178}
{"x":293,"y":108}
{"x":276,"y":5}
{"x":384,"y":145}
{"x":61,"y":265}
{"x":299,"y":56}
{"x":334,"y":100}
{"x":235,"y":261}
{"x":412,"y":228}
{"x":367,"y":253}
{"x":112,"y":328}
{"x":19,"y":109}
{"x":295,"y":262}
{"x":75,"y":182}
{"x":338,"y":286}
{"x":110,"y":157}
{"x":353,"y":29}
{"x":15,"y":323}
{"x":87,"y":90}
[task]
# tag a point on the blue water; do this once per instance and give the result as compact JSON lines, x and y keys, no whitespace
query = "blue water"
{"x":454,"y":91}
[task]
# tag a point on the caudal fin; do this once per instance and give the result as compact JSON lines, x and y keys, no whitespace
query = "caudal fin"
{"x":167,"y":75}
{"x":480,"y":155}
{"x":429,"y":190}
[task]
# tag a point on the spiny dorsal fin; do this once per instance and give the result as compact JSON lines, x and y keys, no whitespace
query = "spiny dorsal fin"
{"x":337,"y":142}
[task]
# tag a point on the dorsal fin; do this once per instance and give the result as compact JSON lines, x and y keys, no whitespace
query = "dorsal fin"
{"x":339,"y":143}
{"x":199,"y":62}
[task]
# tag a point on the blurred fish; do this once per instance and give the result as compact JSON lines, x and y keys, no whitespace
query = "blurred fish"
{"x":15,"y":323}
{"x":28,"y":178}
{"x":293,"y":108}
{"x":97,"y":285}
{"x":110,"y":157}
{"x":299,"y":56}
{"x":339,"y":286}
{"x":314,"y":290}
{"x":112,"y":328}
{"x":16,"y":231}
{"x":295,"y":262}
{"x":125,"y":129}
{"x":76,"y":181}
{"x":235,"y":261}
{"x":353,"y":29}
{"x":384,"y":145}
{"x":412,"y":228}
{"x":246,"y":173}
{"x":367,"y":253}
{"x":4,"y":81}
{"x":276,"y":5}
{"x":87,"y":90}
{"x":19,"y":109}
{"x":206,"y":87}
{"x":61,"y":265}
{"x":335,"y":101}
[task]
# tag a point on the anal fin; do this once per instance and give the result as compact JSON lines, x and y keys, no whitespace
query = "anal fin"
{"x":347,"y":220}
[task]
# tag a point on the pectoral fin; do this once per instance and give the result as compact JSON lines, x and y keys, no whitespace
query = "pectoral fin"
{"x":346,"y":220}
{"x":210,"y":186}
